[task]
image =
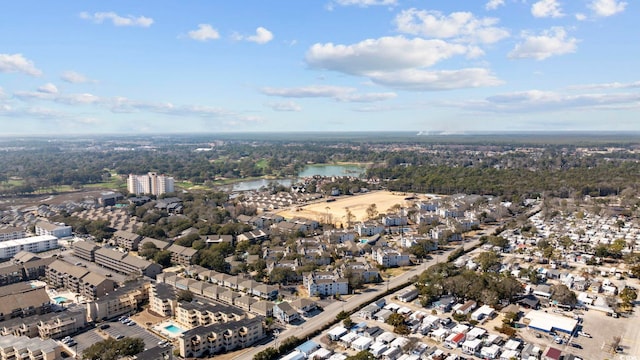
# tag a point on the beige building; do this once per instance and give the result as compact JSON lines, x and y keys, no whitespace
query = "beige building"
{"x":20,"y":300}
{"x":216,"y":338}
{"x":78,"y":280}
{"x":193,"y":314}
{"x":181,"y":255}
{"x":162,"y":299}
{"x":61,"y":325}
{"x":123,"y":300}
{"x":24,"y":348}
{"x":152,"y":183}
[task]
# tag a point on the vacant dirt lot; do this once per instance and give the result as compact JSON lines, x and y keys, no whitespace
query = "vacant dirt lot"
{"x":335,"y":211}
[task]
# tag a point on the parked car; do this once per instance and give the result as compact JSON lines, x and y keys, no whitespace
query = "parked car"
{"x":582,"y":333}
{"x":104,"y":326}
{"x":119,"y":337}
{"x":131,"y":323}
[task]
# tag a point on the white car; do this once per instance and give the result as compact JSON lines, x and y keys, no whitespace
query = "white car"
{"x":582,"y":333}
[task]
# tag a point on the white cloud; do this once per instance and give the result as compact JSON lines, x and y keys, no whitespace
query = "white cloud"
{"x":613,"y":85}
{"x":366,"y":3}
{"x":16,"y":63}
{"x":493,"y":4}
{"x":204,"y":33}
{"x":607,"y":7}
{"x":48,"y":88}
{"x":546,"y":8}
{"x":459,"y":25}
{"x":383,"y":54}
{"x":548,"y":101}
{"x":581,"y":17}
{"x":338,"y":93}
{"x":421,"y":80}
{"x":284,"y":106}
{"x":549,"y":43}
{"x":75,"y":78}
{"x":116,"y":19}
{"x":262,"y":36}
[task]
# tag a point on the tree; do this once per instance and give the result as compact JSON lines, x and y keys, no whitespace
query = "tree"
{"x":163,"y":258}
{"x":348,"y":323}
{"x":342,"y":315}
{"x":562,"y":294}
{"x":350,"y":217}
{"x":372,"y":211}
{"x":148,"y":250}
{"x":488,"y":260}
{"x":395,"y":319}
{"x":628,"y":296}
{"x":362,"y":355}
{"x":111,"y":349}
{"x":184,"y":295}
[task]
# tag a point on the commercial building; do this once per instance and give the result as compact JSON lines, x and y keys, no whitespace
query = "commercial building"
{"x":58,"y":230}
{"x":152,"y":183}
{"x":32,"y":244}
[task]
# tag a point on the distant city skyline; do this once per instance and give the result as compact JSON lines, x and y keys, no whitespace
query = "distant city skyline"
{"x":153,"y":67}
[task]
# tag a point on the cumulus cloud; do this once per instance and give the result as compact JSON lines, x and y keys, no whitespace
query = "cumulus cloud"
{"x":581,"y":17}
{"x":546,"y":8}
{"x":205,"y":32}
{"x":75,"y":78}
{"x":284,"y":106}
{"x":459,"y":25}
{"x":262,"y":36}
{"x":549,"y":43}
{"x":383,"y":54}
{"x":366,"y":3}
{"x":493,"y":4}
{"x":422,"y":80}
{"x":338,"y":93}
{"x":16,"y":63}
{"x":117,"y":20}
{"x":48,"y":88}
{"x":607,"y":7}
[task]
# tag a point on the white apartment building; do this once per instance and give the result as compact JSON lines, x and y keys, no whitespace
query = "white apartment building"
{"x":34,"y":244}
{"x":152,"y":183}
{"x":58,"y":230}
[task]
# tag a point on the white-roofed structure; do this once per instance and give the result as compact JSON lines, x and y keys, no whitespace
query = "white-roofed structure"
{"x":475,"y":333}
{"x":34,"y":244}
{"x":337,"y":332}
{"x":547,"y":322}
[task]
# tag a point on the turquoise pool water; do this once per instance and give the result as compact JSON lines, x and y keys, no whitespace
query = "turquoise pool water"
{"x":60,"y":299}
{"x":173,"y":329}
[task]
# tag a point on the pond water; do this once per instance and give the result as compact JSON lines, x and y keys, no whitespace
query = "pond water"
{"x":309,"y":170}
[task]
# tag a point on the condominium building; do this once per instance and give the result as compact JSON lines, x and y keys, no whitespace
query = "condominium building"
{"x":20,"y":300}
{"x":215,"y":338}
{"x":22,"y":347}
{"x":123,"y":300}
{"x":12,"y":233}
{"x":126,"y":264}
{"x":152,"y":183}
{"x":78,"y":279}
{"x":58,"y":230}
{"x":32,"y":244}
{"x":61,"y":324}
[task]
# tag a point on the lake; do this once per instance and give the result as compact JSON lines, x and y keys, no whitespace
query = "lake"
{"x":309,"y":170}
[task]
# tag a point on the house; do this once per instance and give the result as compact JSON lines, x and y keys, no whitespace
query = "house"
{"x":284,"y":313}
{"x":552,"y":354}
{"x":454,"y":340}
{"x":490,"y":352}
{"x":464,"y":309}
{"x":408,"y":295}
{"x":336,"y":333}
{"x":263,"y":308}
{"x":368,"y":311}
{"x":485,"y":311}
{"x":471,"y":346}
{"x":304,"y":306}
{"x":362,"y":343}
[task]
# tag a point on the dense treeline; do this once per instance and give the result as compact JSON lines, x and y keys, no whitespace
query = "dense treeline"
{"x":484,"y":165}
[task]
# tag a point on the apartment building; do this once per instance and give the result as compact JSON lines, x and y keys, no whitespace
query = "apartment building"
{"x":22,"y":347}
{"x":20,"y":300}
{"x":162,"y":299}
{"x":126,"y":264}
{"x":85,"y":250}
{"x":388,"y":257}
{"x":123,"y":300}
{"x":12,"y":233}
{"x":325,"y":284}
{"x":212,"y":339}
{"x":78,"y":280}
{"x":59,"y":325}
{"x":181,"y":255}
{"x":127,"y":240}
{"x":152,"y":183}
{"x":199,"y":313}
{"x":34,"y":244}
{"x":58,"y":230}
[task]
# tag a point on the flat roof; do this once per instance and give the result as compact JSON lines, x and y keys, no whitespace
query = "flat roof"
{"x":549,"y":321}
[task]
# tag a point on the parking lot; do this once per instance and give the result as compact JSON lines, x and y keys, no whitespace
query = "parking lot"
{"x":115,"y":328}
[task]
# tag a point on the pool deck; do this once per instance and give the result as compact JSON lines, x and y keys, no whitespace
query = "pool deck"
{"x":161,"y":328}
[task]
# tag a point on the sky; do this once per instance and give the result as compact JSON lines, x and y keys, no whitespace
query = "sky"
{"x":212,"y":66}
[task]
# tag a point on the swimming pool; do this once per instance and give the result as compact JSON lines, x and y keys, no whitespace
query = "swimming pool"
{"x":175,"y":330}
{"x":60,"y":299}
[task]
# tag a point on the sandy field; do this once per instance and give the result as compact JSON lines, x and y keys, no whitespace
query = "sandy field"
{"x":335,"y":211}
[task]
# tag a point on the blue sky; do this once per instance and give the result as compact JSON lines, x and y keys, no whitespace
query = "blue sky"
{"x":154,"y":66}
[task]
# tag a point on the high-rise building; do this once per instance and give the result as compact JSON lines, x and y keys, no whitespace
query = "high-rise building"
{"x":152,"y":183}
